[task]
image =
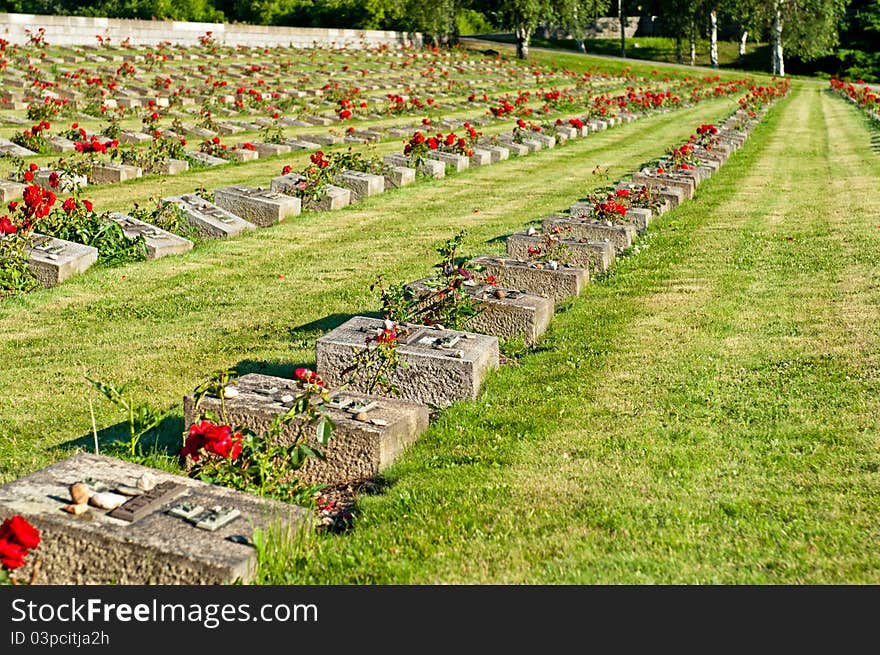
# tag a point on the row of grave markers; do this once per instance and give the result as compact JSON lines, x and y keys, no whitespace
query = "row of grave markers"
{"x":239,"y":208}
{"x":176,"y":530}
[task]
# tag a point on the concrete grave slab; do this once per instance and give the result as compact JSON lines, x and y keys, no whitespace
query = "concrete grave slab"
{"x":442,"y":366}
{"x":159,"y":242}
{"x":205,"y":159}
{"x":54,"y":260}
{"x":620,"y":235}
{"x":209,"y":220}
{"x":595,"y":255}
{"x":107,"y":173}
{"x":399,"y":176}
{"x":100,"y":547}
{"x":502,"y":312}
{"x":558,"y":282}
{"x":369,"y":433}
{"x":334,"y":197}
{"x":428,"y":167}
{"x":361,"y":185}
{"x":271,"y":149}
{"x":261,"y":207}
{"x":11,"y":191}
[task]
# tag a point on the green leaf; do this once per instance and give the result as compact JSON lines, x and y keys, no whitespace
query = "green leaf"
{"x":324,"y":430}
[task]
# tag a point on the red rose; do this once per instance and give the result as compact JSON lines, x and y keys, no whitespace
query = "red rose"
{"x":432,"y":143}
{"x":28,"y":176}
{"x":216,"y":140}
{"x":34,"y":167}
{"x":17,"y":529}
{"x":54,"y":179}
{"x":87,"y":204}
{"x":7,"y":226}
{"x":11,"y":555}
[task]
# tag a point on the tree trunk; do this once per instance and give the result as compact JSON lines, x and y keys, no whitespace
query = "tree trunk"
{"x":679,"y":57}
{"x":523,"y":34}
{"x":778,"y":67}
{"x":622,"y":28}
{"x":742,"y":46}
{"x":580,"y":45}
{"x":713,"y":38}
{"x":693,"y":40}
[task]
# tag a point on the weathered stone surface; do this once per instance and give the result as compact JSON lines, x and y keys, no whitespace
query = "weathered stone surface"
{"x":361,"y":185}
{"x":557,"y":283}
{"x":502,"y":312}
{"x":158,"y":548}
{"x":208,"y":219}
{"x":59,"y":144}
{"x":334,"y":197}
{"x":106,"y":173}
{"x":11,"y":191}
{"x":242,"y":154}
{"x":442,"y":366}
{"x":674,"y":196}
{"x":205,"y":159}
{"x":620,"y":235}
{"x":55,"y":260}
{"x":11,"y":149}
{"x":261,"y":207}
{"x":228,"y":128}
{"x":652,"y":180}
{"x":173,"y":167}
{"x":300,"y":144}
{"x":545,"y":139}
{"x":324,"y":139}
{"x":67,"y":182}
{"x":480,"y":157}
{"x":595,"y":255}
{"x":357,"y":450}
{"x":454,"y":162}
{"x":429,"y":167}
{"x":159,"y":242}
{"x":399,"y":176}
{"x":271,"y":149}
{"x":497,"y":153}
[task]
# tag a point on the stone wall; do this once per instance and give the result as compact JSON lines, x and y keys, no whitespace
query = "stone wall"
{"x":80,"y":30}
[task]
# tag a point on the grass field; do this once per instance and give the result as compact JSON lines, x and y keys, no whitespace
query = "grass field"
{"x":707,"y":413}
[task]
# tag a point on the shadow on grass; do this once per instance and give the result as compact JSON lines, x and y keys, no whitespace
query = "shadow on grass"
{"x":165,"y":439}
{"x":326,"y":324}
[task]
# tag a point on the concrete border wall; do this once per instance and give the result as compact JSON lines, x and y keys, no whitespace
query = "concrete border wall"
{"x":80,"y":30}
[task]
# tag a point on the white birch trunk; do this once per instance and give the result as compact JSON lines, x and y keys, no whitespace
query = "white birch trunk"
{"x":693,"y":40}
{"x":742,"y":44}
{"x":713,"y":38}
{"x":779,"y":61}
{"x":523,"y":34}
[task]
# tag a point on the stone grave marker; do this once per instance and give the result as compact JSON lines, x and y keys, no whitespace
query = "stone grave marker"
{"x":11,"y":191}
{"x":173,"y":167}
{"x":106,"y":173}
{"x":130,"y":137}
{"x":497,"y":153}
{"x":10,"y":149}
{"x":324,"y":139}
{"x":481,"y":157}
{"x":429,"y":167}
{"x":369,"y":433}
{"x":398,"y":176}
{"x":555,"y":281}
{"x":271,"y":149}
{"x":67,"y":182}
{"x":299,"y":144}
{"x":621,"y":235}
{"x":361,"y":185}
{"x":159,"y":242}
{"x":595,"y":255}
{"x":454,"y":162}
{"x":242,"y":154}
{"x":59,"y":144}
{"x":261,"y":207}
{"x":502,"y":312}
{"x":205,"y":159}
{"x":55,"y":260}
{"x":651,"y":180}
{"x":442,"y":366}
{"x":208,"y":219}
{"x":175,"y":530}
{"x":335,"y":197}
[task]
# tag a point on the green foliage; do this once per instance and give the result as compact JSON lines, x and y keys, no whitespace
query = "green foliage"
{"x":15,"y":274}
{"x":85,"y":226}
{"x":142,"y":418}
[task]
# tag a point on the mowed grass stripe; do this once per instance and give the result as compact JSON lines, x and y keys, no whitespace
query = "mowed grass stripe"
{"x":164,"y":325}
{"x":706,"y":415}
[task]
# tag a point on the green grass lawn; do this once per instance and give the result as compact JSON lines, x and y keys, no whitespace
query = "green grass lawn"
{"x":706,"y":413}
